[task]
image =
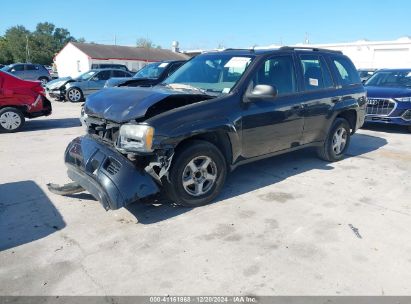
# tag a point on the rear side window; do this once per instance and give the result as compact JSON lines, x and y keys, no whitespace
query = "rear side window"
{"x":315,"y":72}
{"x":31,"y":67}
{"x":103,"y":75}
{"x":346,"y":71}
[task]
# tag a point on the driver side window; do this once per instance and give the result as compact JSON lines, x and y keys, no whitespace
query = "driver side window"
{"x":277,"y":72}
{"x":104,"y":75}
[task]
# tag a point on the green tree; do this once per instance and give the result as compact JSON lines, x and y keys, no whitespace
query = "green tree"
{"x":147,"y":43}
{"x":16,"y":39}
{"x":5,"y":55}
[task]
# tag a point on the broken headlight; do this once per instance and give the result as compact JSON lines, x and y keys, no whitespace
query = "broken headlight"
{"x":135,"y":138}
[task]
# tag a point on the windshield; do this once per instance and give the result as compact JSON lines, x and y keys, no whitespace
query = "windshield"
{"x":390,"y":79}
{"x":152,"y":70}
{"x":210,"y":73}
{"x":86,"y":75}
{"x":5,"y":68}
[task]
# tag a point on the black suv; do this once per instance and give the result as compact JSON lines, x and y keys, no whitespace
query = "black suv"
{"x":219,"y":110}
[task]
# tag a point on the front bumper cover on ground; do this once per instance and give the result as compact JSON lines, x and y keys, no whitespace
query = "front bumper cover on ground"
{"x":106,"y":174}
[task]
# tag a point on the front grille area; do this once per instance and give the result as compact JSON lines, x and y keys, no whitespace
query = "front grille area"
{"x":112,"y":166}
{"x":380,"y":106}
{"x":104,"y":130}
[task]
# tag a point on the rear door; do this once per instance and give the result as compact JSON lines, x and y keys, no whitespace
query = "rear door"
{"x":31,"y":72}
{"x":271,"y":125}
{"x":318,"y":96}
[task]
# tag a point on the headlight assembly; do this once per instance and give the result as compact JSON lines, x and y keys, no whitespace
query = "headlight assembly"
{"x":135,"y":138}
{"x":403,"y":99}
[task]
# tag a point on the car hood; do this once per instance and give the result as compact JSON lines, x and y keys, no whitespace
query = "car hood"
{"x":127,"y":103}
{"x":387,"y":92}
{"x":58,"y":83}
{"x":114,"y":81}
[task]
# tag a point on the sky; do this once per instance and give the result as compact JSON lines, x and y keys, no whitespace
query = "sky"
{"x":207,"y":24}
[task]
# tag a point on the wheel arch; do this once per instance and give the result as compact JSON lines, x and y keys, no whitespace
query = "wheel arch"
{"x":219,"y":138}
{"x":22,"y":108}
{"x":351,"y":116}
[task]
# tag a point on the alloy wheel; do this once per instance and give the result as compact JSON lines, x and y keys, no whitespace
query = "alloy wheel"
{"x":74,"y":95}
{"x":199,"y":175}
{"x":339,"y":140}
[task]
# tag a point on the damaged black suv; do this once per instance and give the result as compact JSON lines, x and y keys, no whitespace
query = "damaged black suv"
{"x":219,"y":110}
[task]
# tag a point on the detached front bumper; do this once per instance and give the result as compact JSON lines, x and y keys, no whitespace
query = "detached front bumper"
{"x":106,"y":174}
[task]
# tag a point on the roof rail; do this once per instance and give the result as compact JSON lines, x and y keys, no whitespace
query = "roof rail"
{"x":314,"y":49}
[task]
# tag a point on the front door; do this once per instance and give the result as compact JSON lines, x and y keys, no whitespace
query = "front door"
{"x":98,"y":81}
{"x":275,"y":124}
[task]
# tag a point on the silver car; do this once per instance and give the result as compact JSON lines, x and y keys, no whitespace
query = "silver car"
{"x":77,"y":89}
{"x":29,"y":71}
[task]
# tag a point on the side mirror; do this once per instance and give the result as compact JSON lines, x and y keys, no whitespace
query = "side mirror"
{"x":262,"y":91}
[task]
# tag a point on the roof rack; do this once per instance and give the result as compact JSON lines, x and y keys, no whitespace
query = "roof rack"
{"x":314,"y":49}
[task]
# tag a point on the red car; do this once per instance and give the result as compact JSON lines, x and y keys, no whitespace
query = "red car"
{"x":20,"y":99}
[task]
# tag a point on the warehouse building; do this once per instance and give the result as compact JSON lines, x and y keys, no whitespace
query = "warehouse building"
{"x":77,"y":58}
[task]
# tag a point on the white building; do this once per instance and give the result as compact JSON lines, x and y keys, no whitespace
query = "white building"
{"x":371,"y":54}
{"x":365,"y":54}
{"x":77,"y":58}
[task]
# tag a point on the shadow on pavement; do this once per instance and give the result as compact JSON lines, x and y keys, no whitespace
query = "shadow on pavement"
{"x":47,"y":124}
{"x":26,"y":214}
{"x":257,"y":175}
{"x":380,"y":127}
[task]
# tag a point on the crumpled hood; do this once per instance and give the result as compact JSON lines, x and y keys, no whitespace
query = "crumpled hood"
{"x":57,"y":83}
{"x":387,"y":92}
{"x":126,"y":103}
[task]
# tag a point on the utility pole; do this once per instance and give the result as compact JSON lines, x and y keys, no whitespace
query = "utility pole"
{"x":27,"y":49}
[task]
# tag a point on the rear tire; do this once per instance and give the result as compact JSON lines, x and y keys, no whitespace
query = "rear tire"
{"x":336,"y":142}
{"x":197,"y":174}
{"x":11,"y":120}
{"x":43,"y":80}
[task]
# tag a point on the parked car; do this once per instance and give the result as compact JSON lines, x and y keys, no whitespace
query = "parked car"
{"x":365,"y":74}
{"x":75,"y":90}
{"x":216,"y":112}
{"x":20,"y":99}
{"x":53,"y":74}
{"x":389,"y":97}
{"x":109,"y":66}
{"x":150,"y":75}
{"x":29,"y":71}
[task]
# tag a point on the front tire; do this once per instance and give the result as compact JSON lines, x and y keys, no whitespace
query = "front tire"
{"x":74,"y":95}
{"x":197,"y":174}
{"x":337,"y":141}
{"x":11,"y":120}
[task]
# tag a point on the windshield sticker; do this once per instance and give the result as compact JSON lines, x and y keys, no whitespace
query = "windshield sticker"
{"x":226,"y":90}
{"x":237,"y":62}
{"x":163,"y":65}
{"x":313,"y":82}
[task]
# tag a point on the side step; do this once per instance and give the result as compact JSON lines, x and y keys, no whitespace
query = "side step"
{"x":66,"y":189}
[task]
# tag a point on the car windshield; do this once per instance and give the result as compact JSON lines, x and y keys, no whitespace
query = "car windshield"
{"x":5,"y":68}
{"x":216,"y":73}
{"x":390,"y":79}
{"x":86,"y":75}
{"x":152,"y":70}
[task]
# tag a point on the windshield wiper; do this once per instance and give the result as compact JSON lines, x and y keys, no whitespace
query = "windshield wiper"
{"x":183,"y":86}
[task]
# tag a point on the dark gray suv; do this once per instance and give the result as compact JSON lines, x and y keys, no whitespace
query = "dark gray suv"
{"x":29,"y":71}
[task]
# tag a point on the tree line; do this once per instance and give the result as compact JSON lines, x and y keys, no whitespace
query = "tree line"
{"x":39,"y":46}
